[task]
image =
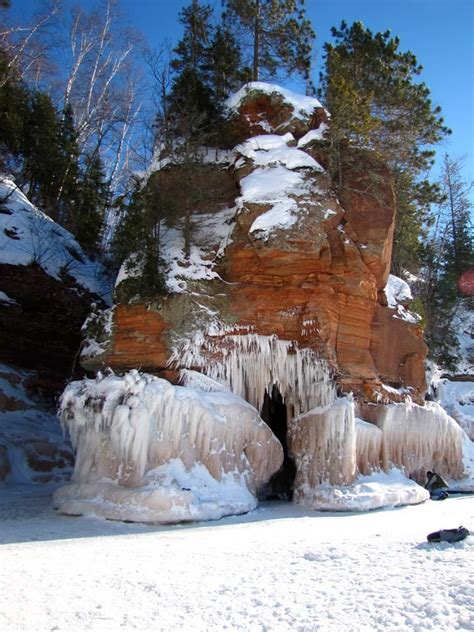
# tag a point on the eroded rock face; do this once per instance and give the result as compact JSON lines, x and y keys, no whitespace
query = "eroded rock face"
{"x":297,"y":262}
{"x":285,"y":296}
{"x":41,"y":329}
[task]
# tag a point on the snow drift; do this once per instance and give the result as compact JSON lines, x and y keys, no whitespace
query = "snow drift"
{"x":153,"y":452}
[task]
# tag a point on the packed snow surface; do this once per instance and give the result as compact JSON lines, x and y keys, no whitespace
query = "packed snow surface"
{"x":28,"y":236}
{"x":268,"y":149}
{"x":280,"y":567}
{"x":303,"y":106}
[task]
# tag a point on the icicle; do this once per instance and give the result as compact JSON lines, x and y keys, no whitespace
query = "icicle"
{"x":421,"y":438}
{"x":368,"y":447}
{"x":251,"y":364}
{"x":323,"y":443}
{"x":123,"y":427}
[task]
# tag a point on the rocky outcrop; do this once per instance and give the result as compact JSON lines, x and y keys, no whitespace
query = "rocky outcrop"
{"x":284,"y":297}
{"x":47,"y":286}
{"x":33,"y":448}
{"x":296,"y":262}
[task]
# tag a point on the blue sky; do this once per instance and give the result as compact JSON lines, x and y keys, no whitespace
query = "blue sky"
{"x":439,"y":32}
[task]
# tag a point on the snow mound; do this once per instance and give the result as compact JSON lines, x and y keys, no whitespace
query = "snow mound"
{"x":457,"y":398}
{"x":303,"y":106}
{"x":397,"y":291}
{"x":28,"y":236}
{"x":398,"y":295}
{"x":150,"y":451}
{"x":379,"y":489}
{"x":313,"y":135}
{"x":274,"y":186}
{"x":268,"y":149}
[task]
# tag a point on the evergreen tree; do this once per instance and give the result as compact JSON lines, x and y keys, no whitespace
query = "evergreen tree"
{"x":376,"y":100}
{"x":42,"y":152}
{"x":136,"y":245}
{"x":191,"y":109}
{"x":448,"y":254}
{"x":92,"y":199}
{"x":14,"y":111}
{"x":223,"y":68}
{"x":277,"y":31}
{"x":191,"y":51}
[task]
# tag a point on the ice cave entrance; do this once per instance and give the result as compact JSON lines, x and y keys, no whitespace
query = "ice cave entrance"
{"x":274,"y":413}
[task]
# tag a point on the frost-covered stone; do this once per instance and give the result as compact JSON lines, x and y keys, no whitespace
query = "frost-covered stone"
{"x":151,"y":451}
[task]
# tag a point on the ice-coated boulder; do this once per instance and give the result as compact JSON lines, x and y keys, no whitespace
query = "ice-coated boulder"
{"x":149,"y":451}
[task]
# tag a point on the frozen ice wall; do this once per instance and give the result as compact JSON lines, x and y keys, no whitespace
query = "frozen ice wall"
{"x":323,"y":443}
{"x":151,"y":451}
{"x":340,"y":458}
{"x":421,"y":438}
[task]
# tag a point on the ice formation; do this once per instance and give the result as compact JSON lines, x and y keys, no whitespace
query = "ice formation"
{"x":369,"y":440}
{"x":421,"y":438}
{"x":334,"y":450}
{"x":366,"y":493}
{"x":251,"y":364}
{"x":323,"y":443}
{"x":151,"y":451}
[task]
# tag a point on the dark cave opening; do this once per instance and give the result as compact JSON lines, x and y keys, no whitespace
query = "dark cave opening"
{"x":274,"y":413}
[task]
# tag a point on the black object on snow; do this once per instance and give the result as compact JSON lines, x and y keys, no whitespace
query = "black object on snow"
{"x":435,"y":481}
{"x":449,"y":535}
{"x":439,"y":494}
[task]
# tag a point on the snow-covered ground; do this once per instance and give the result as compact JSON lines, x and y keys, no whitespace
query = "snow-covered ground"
{"x":279,"y":567}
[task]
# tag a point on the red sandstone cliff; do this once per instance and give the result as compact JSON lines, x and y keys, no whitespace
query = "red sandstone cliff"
{"x":296,"y":261}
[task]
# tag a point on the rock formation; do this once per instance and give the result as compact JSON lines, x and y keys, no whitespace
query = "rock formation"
{"x":283,"y":295}
{"x":47,"y":286}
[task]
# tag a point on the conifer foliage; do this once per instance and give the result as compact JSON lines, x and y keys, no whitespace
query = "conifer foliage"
{"x":376,"y":100}
{"x":449,"y":253}
{"x":277,"y":33}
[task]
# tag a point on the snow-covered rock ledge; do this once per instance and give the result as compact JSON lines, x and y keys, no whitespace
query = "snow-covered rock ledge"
{"x":149,"y":451}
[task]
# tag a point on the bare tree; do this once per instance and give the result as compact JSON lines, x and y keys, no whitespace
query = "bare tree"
{"x":103,"y":85}
{"x":27,"y":46}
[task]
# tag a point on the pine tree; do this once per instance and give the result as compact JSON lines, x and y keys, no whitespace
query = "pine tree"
{"x":136,"y":245}
{"x":191,"y":51}
{"x":191,"y":108}
{"x":448,"y":254}
{"x":277,"y":31}
{"x":42,"y":151}
{"x":223,"y":68}
{"x":92,"y":199}
{"x":376,"y":100}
